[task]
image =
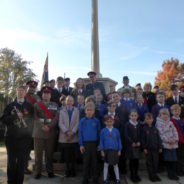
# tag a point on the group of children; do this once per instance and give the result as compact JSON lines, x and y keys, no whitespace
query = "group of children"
{"x":122,"y":129}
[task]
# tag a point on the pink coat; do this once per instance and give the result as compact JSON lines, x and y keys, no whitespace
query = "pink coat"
{"x":167,"y":133}
{"x":65,"y":126}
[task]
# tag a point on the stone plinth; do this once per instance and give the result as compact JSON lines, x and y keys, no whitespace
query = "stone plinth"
{"x":109,"y":84}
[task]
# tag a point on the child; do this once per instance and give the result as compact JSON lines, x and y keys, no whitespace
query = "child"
{"x":101,"y":107}
{"x":80,"y":102}
{"x":68,"y":125}
{"x":110,"y":147}
{"x":141,"y":107}
{"x":89,"y":134}
{"x":152,"y":145}
{"x":169,"y":137}
{"x":179,"y":125}
{"x":116,"y":98}
{"x":133,"y":139}
{"x":127,"y":101}
{"x":160,"y":98}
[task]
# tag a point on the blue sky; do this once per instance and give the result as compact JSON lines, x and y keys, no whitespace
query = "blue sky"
{"x":135,"y":36}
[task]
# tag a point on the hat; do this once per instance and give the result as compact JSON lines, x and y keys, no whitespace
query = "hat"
{"x":67,"y":79}
{"x":125,"y":78}
{"x":52,"y":80}
{"x":107,"y":117}
{"x":46,"y":89}
{"x":32,"y":83}
{"x":182,"y":88}
{"x":91,"y":73}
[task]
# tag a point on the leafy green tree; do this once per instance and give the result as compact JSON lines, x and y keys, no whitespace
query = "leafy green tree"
{"x":14,"y":71}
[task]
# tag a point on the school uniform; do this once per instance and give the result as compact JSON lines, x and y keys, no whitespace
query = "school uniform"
{"x":167,"y":133}
{"x":120,"y":120}
{"x":129,"y":103}
{"x":89,"y":136}
{"x":132,"y":135}
{"x":179,"y":125}
{"x":151,"y":141}
{"x":69,"y":121}
{"x":141,"y":109}
{"x":110,"y":142}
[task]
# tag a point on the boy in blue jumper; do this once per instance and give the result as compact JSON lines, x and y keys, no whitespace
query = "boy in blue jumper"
{"x":89,"y":135}
{"x":110,"y":147}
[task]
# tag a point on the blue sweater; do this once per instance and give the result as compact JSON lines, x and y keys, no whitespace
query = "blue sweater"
{"x":89,"y":130}
{"x":110,"y":139}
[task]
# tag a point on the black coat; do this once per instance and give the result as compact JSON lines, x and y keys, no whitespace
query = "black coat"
{"x":150,"y":138}
{"x":132,"y":135}
{"x":10,"y":119}
{"x":150,"y":99}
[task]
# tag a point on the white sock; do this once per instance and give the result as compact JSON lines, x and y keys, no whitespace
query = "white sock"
{"x":116,"y":170}
{"x":106,"y":165}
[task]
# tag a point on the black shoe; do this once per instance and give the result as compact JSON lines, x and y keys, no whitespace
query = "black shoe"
{"x":118,"y":181}
{"x":67,"y":174}
{"x":51,"y":175}
{"x":73,"y":174}
{"x":158,"y":178}
{"x":95,"y":181}
{"x":27,"y":171}
{"x":153,"y":179}
{"x":85,"y":182}
{"x":37,"y":176}
{"x":138,"y":179}
{"x":179,"y":173}
{"x":105,"y":182}
{"x":173,"y":177}
{"x":133,"y":179}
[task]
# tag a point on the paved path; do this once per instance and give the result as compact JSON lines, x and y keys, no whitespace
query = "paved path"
{"x":61,"y":179}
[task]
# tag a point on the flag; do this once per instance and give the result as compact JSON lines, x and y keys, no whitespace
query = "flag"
{"x":45,"y":75}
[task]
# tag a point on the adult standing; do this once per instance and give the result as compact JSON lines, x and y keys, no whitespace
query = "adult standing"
{"x":17,"y":118}
{"x":93,"y":85}
{"x":127,"y":86}
{"x":46,"y":117}
{"x":32,"y":98}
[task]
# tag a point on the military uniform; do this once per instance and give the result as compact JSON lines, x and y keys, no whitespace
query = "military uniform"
{"x":44,"y":141}
{"x":32,"y":98}
{"x":17,"y":138}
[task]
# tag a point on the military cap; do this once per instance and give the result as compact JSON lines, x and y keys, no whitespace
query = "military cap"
{"x":125,"y":78}
{"x":46,"y":89}
{"x":32,"y":83}
{"x":91,"y":73}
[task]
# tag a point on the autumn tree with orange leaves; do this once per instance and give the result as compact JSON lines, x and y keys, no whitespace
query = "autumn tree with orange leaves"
{"x":170,"y":70}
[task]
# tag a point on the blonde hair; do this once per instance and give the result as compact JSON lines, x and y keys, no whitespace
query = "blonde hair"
{"x":164,"y":111}
{"x":90,"y":105}
{"x":175,"y":107}
{"x":147,"y":84}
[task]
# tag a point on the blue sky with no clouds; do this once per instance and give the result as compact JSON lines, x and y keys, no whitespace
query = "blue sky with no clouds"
{"x":135,"y":36}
